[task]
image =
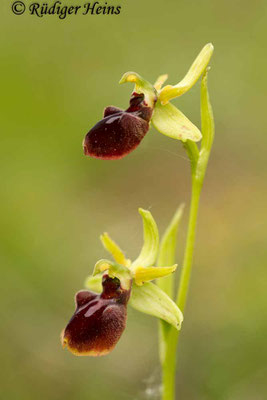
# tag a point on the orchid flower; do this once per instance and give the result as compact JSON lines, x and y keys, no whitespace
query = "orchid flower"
{"x":100,"y":316}
{"x":120,"y":132}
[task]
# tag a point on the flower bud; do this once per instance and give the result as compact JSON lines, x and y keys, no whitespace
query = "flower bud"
{"x":119,"y":132}
{"x":98,"y":321}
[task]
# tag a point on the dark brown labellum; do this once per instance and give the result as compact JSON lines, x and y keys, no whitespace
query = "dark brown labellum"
{"x":119,"y":132}
{"x":98,"y":321}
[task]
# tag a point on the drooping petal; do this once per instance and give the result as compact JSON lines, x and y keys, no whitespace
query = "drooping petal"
{"x":150,"y":299}
{"x":196,"y":70}
{"x":113,"y":249}
{"x":99,"y":320}
{"x":146,"y":274}
{"x":149,"y":250}
{"x":167,"y":250}
{"x":170,"y":121}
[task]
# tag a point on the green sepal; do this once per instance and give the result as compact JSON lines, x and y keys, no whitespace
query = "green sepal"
{"x":141,"y":86}
{"x":171,"y":122}
{"x":150,"y":247}
{"x":195,"y":71}
{"x":150,"y":299}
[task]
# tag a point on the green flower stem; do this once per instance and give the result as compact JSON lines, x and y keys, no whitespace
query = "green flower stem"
{"x":171,"y":335}
{"x":199,"y":161}
{"x":190,"y":243}
{"x":169,"y":364}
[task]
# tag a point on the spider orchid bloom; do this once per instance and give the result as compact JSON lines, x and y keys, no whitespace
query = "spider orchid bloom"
{"x":99,"y":319}
{"x":120,"y":132}
{"x":100,"y":316}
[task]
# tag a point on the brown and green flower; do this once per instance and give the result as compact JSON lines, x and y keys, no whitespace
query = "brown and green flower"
{"x":100,"y":316}
{"x":121,"y":131}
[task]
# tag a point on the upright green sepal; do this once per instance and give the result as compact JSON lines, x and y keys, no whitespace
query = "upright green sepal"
{"x":195,"y":71}
{"x":141,"y":86}
{"x":150,"y":299}
{"x":150,"y":247}
{"x":170,"y":121}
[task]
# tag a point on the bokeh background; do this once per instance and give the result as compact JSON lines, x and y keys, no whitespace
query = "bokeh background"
{"x":56,"y":78}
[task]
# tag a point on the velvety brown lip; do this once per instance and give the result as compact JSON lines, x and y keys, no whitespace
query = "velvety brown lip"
{"x":119,"y":132}
{"x":98,"y":321}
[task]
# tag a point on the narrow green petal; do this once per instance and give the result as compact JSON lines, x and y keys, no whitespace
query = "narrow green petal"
{"x":160,"y":81}
{"x":142,"y":274}
{"x":167,"y":250}
{"x":150,"y":299}
{"x":113,"y":249}
{"x":170,"y":121}
{"x":141,"y":86}
{"x":196,"y":70}
{"x":150,"y":247}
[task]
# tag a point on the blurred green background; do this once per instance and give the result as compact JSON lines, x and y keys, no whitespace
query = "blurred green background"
{"x":56,"y":78}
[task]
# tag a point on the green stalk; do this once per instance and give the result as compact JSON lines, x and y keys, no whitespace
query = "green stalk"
{"x":190,"y":244}
{"x":199,"y":160}
{"x":169,"y":365}
{"x":171,"y":335}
